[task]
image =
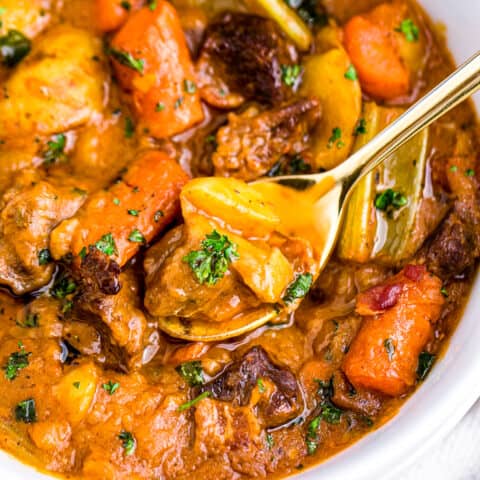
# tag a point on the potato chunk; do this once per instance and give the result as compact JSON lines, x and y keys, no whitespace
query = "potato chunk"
{"x":58,"y":87}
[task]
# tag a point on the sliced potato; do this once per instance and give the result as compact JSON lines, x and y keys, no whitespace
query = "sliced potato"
{"x":76,"y":391}
{"x":230,"y":202}
{"x":341,"y":98}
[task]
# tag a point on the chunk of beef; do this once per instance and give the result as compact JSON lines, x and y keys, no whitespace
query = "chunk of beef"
{"x":253,"y":142}
{"x":243,"y":55}
{"x":236,"y":383}
{"x":29,"y":210}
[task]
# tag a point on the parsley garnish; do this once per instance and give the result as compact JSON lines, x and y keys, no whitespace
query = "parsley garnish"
{"x":159,"y":107}
{"x":76,"y":385}
{"x":336,"y":138}
{"x":128,"y":442}
{"x":133,"y":212}
{"x":261,"y":386}
{"x":116,"y":201}
{"x":330,"y":413}
{"x":152,"y":5}
{"x":14,"y":46}
{"x":31,"y":321}
{"x":409,"y":29}
{"x":178,"y":103}
{"x":129,"y":127}
{"x":191,"y":372}
{"x":111,"y":387}
{"x":16,"y":361}
{"x":189,"y":86}
{"x":470,"y":172}
{"x":390,"y":198}
{"x":453,"y":168}
{"x":136,"y":236}
{"x":425,"y":363}
{"x":270,"y":441}
{"x":55,"y":150}
{"x":25,"y":411}
{"x":444,"y":292}
{"x":361,"y":127}
{"x":107,"y":244}
{"x":44,"y":256}
{"x":389,"y":347}
{"x":290,"y":74}
{"x":63,"y":287}
{"x":191,"y":403}
{"x":126,"y":5}
{"x":127,"y":59}
{"x":351,"y":73}
{"x":83,"y":253}
{"x":211,"y":262}
{"x":312,"y":436}
{"x":298,"y":288}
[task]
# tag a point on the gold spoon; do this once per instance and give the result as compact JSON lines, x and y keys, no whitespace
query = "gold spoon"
{"x":326,"y":195}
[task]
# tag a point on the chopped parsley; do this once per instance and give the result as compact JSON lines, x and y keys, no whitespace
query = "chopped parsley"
{"x":444,"y":292}
{"x":191,"y":372}
{"x":136,"y":236}
{"x":127,"y":59}
{"x":210,"y":263}
{"x":126,"y":5}
{"x":31,"y":321}
{"x":390,"y":198}
{"x":25,"y":411}
{"x":470,"y":172}
{"x":55,"y":150}
{"x":178,"y":103}
{"x":152,"y":4}
{"x":290,"y":74}
{"x":14,"y":46}
{"x":111,"y":387}
{"x":298,"y":288}
{"x":116,"y":201}
{"x":191,"y":403}
{"x":261,"y":386}
{"x":128,"y":442}
{"x":330,"y":413}
{"x":63,"y":287}
{"x":44,"y":256}
{"x":133,"y":212}
{"x":16,"y":361}
{"x":107,"y":245}
{"x":453,"y":168}
{"x":83,"y":253}
{"x":312,"y":436}
{"x":76,"y":385}
{"x":159,"y":107}
{"x":189,"y":86}
{"x":389,"y":347}
{"x":425,"y":363}
{"x":351,"y":73}
{"x":409,"y":29}
{"x":129,"y":127}
{"x":361,"y":127}
{"x":270,"y":441}
{"x":336,"y":138}
{"x":157,"y":216}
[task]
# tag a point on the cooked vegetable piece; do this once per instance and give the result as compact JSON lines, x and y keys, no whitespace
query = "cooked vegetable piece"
{"x":152,"y":62}
{"x":399,"y":317}
{"x":112,"y":14}
{"x":341,"y":102}
{"x":152,"y":183}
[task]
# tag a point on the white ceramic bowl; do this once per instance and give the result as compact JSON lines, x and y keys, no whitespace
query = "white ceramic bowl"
{"x":453,"y":385}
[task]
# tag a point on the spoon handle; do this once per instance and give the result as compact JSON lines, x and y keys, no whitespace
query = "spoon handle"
{"x":453,"y":90}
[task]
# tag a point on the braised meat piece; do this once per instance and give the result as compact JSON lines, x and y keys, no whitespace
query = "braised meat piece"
{"x":244,"y":55}
{"x":253,"y":142}
{"x":29,"y":210}
{"x":236,"y":383}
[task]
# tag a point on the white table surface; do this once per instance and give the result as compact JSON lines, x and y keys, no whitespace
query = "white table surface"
{"x":456,"y":457}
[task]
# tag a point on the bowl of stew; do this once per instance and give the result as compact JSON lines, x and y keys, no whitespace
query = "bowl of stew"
{"x":130,"y":135}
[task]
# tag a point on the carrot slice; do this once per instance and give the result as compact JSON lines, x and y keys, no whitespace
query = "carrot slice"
{"x":132,"y":212}
{"x":152,"y":61}
{"x":374,"y":53}
{"x":384,"y":354}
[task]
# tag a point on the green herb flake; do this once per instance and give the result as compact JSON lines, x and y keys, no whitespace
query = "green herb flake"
{"x":330,"y":413}
{"x":79,"y":191}
{"x":210,"y":263}
{"x":390,"y":198}
{"x":444,"y":292}
{"x":111,"y":387}
{"x":351,"y":73}
{"x":129,"y":128}
{"x":298,"y":288}
{"x":312,"y":439}
{"x":63,"y":287}
{"x":189,"y":86}
{"x":191,"y":372}
{"x":270,"y":441}
{"x":133,"y":212}
{"x":32,"y":320}
{"x":261,"y":386}
{"x":409,"y":29}
{"x":25,"y":411}
{"x":152,"y":5}
{"x":126,"y":5}
{"x":116,"y":201}
{"x":76,"y":385}
{"x":158,"y":215}
{"x":389,"y":347}
{"x":55,"y":150}
{"x":159,"y":107}
{"x":470,"y":172}
{"x":290,"y":74}
{"x":14,"y":46}
{"x":106,"y":245}
{"x":83,"y":253}
{"x":16,"y":361}
{"x":136,"y":236}
{"x":453,"y":168}
{"x":361,"y":127}
{"x":128,"y":442}
{"x":178,"y":103}
{"x":127,"y":59}
{"x":44,"y":256}
{"x":425,"y":363}
{"x":191,"y":403}
{"x":336,"y":138}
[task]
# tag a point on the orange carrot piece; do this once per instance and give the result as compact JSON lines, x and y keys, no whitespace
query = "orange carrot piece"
{"x":163,"y":84}
{"x":375,"y":56}
{"x":135,"y":209}
{"x":109,"y":15}
{"x":384,"y":354}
